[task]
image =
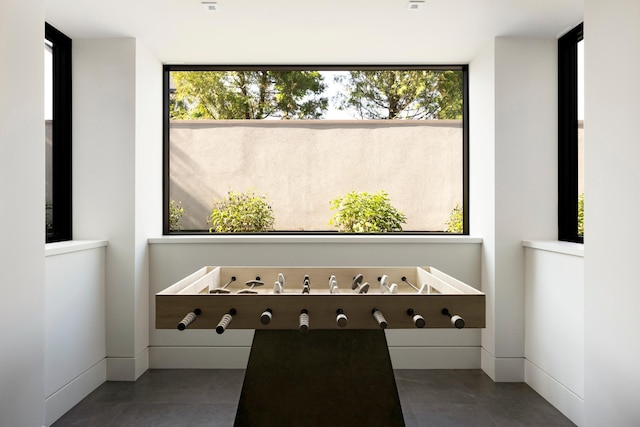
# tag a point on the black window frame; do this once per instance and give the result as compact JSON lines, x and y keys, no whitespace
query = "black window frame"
{"x":167,"y":68}
{"x":568,"y":135}
{"x":61,"y":136}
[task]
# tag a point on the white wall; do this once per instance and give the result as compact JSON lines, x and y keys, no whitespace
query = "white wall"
{"x":148,"y":187}
{"x":513,"y":186}
{"x":612,"y":293}
{"x":75,"y":354}
{"x":554,"y":332}
{"x":482,"y":181}
{"x":117,"y":182}
{"x":22,"y":214}
{"x":175,"y":258}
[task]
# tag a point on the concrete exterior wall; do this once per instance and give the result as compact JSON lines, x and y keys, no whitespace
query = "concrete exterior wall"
{"x":302,"y":165}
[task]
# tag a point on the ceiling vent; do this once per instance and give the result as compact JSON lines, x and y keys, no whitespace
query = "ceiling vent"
{"x":210,"y":6}
{"x":414,"y":5}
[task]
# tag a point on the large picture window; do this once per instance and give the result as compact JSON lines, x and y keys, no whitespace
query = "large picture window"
{"x":57,"y":78}
{"x":315,"y":149}
{"x":571,"y":136}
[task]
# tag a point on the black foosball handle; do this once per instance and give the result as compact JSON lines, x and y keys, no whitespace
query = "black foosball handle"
{"x":456,"y":320}
{"x":189,"y":319}
{"x":265,"y":317}
{"x":418,"y":320}
{"x":225,"y":321}
{"x":341,"y":318}
{"x":303,"y":320}
{"x":377,"y":314}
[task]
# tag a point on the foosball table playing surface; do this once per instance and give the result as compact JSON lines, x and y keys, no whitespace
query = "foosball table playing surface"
{"x":319,"y":342}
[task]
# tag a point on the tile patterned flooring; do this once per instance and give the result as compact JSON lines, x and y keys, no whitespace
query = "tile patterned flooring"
{"x":188,"y":397}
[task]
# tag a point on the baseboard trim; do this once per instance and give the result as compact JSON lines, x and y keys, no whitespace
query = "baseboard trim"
{"x":237,"y":357}
{"x":127,"y":368}
{"x":502,"y":369}
{"x":58,"y":403}
{"x":565,"y":400}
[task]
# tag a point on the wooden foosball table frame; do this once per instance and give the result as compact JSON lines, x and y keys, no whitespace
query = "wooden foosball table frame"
{"x":319,"y":355}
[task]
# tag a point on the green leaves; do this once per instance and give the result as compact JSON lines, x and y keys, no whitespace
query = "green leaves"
{"x":366,"y":213}
{"x":581,"y":214}
{"x":402,"y":94}
{"x":241,"y":212}
{"x":175,"y":213}
{"x":228,"y":95}
{"x":367,"y":94}
{"x":454,"y":224}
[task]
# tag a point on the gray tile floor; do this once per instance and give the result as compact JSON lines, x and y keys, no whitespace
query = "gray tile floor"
{"x":184,"y":397}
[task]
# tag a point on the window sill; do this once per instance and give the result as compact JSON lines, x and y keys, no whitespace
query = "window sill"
{"x":567,"y":248}
{"x":350,"y":239}
{"x":59,"y":248}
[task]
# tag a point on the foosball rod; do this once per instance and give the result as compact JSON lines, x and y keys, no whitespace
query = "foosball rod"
{"x":404,"y":279}
{"x":456,"y":320}
{"x":223,"y":290}
{"x":225,"y":321}
{"x":189,"y":319}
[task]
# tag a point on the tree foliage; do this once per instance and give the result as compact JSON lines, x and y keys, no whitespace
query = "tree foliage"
{"x":176,"y":211}
{"x":366,"y":213}
{"x":241,"y":212}
{"x":402,"y":94}
{"x":224,"y":95}
{"x":454,"y":223}
{"x":581,"y":214}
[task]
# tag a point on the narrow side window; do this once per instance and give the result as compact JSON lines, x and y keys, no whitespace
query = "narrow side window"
{"x":571,"y":136}
{"x":57,"y":77}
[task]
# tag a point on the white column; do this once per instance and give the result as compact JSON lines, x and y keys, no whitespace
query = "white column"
{"x":612,"y":203}
{"x":22,"y":197}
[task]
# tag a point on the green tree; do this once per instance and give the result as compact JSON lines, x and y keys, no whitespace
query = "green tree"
{"x":224,"y":95}
{"x":402,"y":94}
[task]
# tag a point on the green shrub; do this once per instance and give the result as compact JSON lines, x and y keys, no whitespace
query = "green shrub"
{"x":241,"y":212}
{"x":366,"y":213}
{"x":454,"y":224}
{"x":581,"y":214}
{"x":175,"y":213}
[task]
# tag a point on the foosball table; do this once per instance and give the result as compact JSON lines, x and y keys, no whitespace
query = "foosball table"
{"x":319,"y":342}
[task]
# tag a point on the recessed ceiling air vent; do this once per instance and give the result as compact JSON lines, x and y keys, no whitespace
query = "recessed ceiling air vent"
{"x":210,"y":6}
{"x":414,"y":5}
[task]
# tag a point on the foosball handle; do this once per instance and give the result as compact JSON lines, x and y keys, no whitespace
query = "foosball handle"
{"x":188,"y":319}
{"x":304,"y":320}
{"x":341,"y":318}
{"x":224,"y":322}
{"x":418,"y":320}
{"x":377,"y":314}
{"x":265,"y":317}
{"x":456,"y":320}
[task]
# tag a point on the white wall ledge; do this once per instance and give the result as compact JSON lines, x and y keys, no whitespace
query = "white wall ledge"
{"x":567,"y":248}
{"x":350,"y":239}
{"x":58,"y":248}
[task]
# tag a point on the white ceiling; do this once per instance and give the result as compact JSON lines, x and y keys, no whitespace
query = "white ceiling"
{"x":313,"y":32}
